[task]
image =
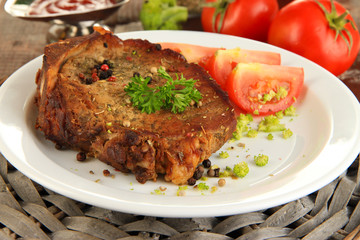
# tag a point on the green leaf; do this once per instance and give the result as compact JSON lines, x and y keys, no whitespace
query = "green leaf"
{"x":175,"y":95}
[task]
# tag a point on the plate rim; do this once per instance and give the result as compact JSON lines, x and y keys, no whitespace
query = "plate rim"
{"x":181,"y":211}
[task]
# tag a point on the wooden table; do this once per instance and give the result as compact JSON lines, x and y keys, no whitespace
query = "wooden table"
{"x":21,"y":41}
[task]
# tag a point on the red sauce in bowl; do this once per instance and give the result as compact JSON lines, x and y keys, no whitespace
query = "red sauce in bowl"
{"x":46,"y":7}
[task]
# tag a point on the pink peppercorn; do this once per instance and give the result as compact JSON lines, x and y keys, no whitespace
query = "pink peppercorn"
{"x":104,"y":67}
{"x":112,"y":79}
{"x":94,"y":77}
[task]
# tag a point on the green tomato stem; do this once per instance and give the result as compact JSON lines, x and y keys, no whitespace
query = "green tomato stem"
{"x":338,"y":23}
{"x":220,"y":9}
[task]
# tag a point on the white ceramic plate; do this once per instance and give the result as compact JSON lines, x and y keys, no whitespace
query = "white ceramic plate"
{"x":326,"y":141}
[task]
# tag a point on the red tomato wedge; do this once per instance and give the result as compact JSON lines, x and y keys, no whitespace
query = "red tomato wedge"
{"x":193,"y":53}
{"x":222,"y":62}
{"x":264,"y":89}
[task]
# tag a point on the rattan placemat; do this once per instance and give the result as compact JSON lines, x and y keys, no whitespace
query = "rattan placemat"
{"x":30,"y":211}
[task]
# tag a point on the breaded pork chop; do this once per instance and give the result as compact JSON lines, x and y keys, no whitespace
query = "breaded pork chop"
{"x":83,"y":106}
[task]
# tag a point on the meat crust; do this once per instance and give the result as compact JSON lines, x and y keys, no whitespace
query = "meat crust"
{"x":99,"y":119}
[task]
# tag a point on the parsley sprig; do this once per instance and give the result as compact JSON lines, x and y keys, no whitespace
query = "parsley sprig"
{"x":169,"y":96}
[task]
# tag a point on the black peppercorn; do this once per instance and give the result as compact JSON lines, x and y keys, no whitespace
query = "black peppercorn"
{"x":217,"y":172}
{"x":191,"y":181}
{"x":109,"y":73}
{"x":103,"y":75}
{"x":197,"y":174}
{"x":149,"y":80}
{"x":58,"y":146}
{"x":158,"y":47}
{"x":206,"y":163}
{"x":88,"y":81}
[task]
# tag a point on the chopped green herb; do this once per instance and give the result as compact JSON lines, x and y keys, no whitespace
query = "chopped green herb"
{"x":203,"y":178}
{"x":270,"y":136}
{"x":241,"y":169}
{"x":261,"y":160}
{"x":227,"y":168}
{"x":280,"y":114}
{"x":281,"y":93}
{"x":242,"y":125}
{"x":202,"y":186}
{"x":287,"y":133}
{"x":158,"y":192}
{"x":268,"y":96}
{"x":252,"y":133}
{"x":223,"y":154}
{"x":290,"y":111}
{"x":227,"y":172}
{"x":183,"y":187}
{"x":270,"y":124}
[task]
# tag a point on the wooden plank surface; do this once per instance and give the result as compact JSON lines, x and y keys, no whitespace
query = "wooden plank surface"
{"x":20,"y":42}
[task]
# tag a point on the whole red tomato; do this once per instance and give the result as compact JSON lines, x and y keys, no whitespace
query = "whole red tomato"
{"x":321,"y":31}
{"x":244,"y":18}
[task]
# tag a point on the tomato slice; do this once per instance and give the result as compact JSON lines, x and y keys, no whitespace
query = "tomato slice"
{"x":264,"y":89}
{"x":222,"y":62}
{"x":193,"y":53}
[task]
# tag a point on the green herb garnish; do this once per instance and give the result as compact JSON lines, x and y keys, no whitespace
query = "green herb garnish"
{"x":175,"y":95}
{"x":203,"y":186}
{"x":223,"y":154}
{"x":270,"y":124}
{"x":261,"y":160}
{"x":241,"y":169}
{"x":252,"y":133}
{"x":242,"y":125}
{"x":287,"y":133}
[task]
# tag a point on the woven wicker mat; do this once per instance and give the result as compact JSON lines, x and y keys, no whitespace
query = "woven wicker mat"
{"x":29,"y":211}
